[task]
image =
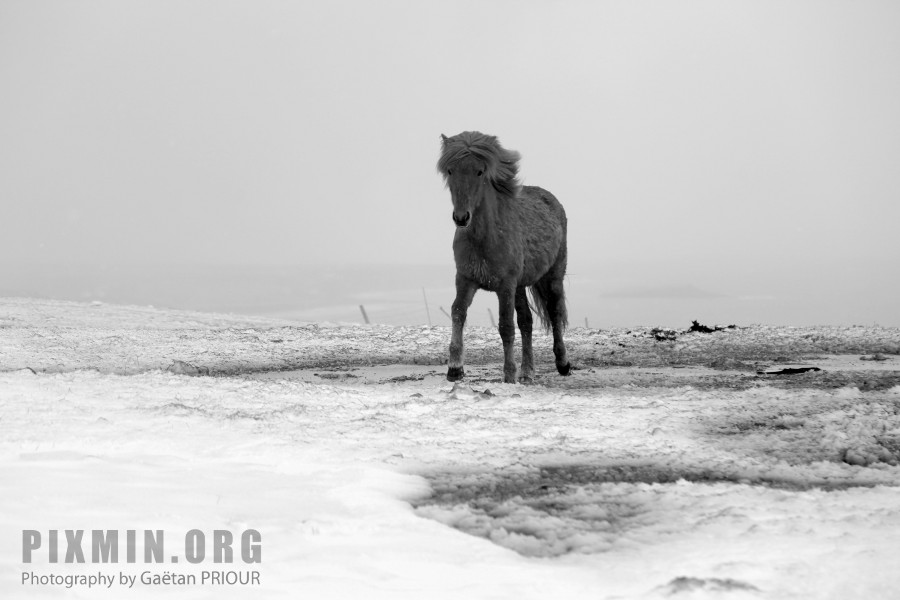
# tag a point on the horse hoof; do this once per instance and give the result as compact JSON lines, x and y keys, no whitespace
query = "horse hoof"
{"x":455,"y":373}
{"x":564,"y":370}
{"x":526,"y":380}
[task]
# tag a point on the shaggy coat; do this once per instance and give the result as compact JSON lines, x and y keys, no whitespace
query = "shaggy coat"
{"x":508,"y":238}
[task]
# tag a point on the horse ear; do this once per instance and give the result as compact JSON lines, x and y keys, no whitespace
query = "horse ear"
{"x":444,"y":138}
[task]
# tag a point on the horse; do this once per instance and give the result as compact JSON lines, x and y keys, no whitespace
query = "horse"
{"x":508,"y":237}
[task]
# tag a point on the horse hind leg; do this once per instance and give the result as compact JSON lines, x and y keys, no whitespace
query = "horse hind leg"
{"x":559,"y":318}
{"x":524,"y":320}
{"x":550,"y":291}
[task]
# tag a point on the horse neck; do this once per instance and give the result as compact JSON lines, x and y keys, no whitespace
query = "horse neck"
{"x":486,"y":219}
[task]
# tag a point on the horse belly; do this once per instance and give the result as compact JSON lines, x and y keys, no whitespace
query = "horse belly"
{"x":537,"y":262}
{"x":544,"y":237}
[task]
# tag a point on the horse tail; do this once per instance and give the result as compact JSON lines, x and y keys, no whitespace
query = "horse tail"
{"x":542,"y":293}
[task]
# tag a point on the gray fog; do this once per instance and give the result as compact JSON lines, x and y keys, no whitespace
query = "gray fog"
{"x":729,"y":161}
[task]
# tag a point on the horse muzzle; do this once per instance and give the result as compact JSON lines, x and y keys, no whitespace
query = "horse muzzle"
{"x":462,"y":221}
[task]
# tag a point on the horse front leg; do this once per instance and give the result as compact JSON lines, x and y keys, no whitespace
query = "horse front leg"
{"x":525,"y":320}
{"x":506,"y":295}
{"x":465,"y":291}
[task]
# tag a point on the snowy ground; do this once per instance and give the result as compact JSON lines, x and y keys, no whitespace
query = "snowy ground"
{"x":674,"y":468}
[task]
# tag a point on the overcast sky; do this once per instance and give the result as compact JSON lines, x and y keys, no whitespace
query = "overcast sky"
{"x":711,"y":133}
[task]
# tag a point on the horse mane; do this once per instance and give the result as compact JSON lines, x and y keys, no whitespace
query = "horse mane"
{"x":501,"y":165}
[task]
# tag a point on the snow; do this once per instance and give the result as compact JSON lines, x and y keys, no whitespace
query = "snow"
{"x":658,"y":469}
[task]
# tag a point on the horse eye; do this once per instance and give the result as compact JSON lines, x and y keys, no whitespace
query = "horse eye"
{"x":449,"y":172}
{"x":480,"y":173}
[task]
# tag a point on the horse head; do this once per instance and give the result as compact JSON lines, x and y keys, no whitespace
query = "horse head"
{"x":466,"y":180}
{"x":474,"y":166}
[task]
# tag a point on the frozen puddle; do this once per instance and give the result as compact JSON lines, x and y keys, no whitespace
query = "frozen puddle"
{"x":585,"y":509}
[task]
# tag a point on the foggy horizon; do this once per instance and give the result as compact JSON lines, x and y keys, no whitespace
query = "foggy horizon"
{"x":609,"y":294}
{"x":704,"y":152}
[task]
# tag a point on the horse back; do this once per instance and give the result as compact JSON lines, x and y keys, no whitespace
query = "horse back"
{"x":542,"y":205}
